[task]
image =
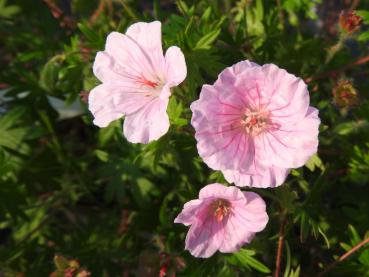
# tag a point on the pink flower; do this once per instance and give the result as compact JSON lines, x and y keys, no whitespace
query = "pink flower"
{"x":223,"y":218}
{"x":255,"y":123}
{"x":136,"y":80}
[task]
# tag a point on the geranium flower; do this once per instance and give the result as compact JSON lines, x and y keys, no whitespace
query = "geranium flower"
{"x":255,"y":124}
{"x":223,"y":218}
{"x":136,"y":80}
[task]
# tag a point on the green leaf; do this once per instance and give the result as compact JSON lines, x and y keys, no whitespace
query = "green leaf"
{"x":11,"y":117}
{"x":102,"y":155}
{"x":206,"y":15}
{"x":182,"y":7}
{"x":314,"y":162}
{"x":8,"y":11}
{"x":364,"y":36}
{"x":142,"y":190}
{"x":347,"y":128}
{"x":49,"y":75}
{"x":364,"y":14}
{"x":206,"y":41}
{"x":324,"y":237}
{"x":115,"y":189}
{"x":245,"y":258}
{"x":295,"y":273}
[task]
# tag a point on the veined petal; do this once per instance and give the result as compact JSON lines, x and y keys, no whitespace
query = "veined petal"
{"x":293,"y":148}
{"x":131,"y":58}
{"x":176,"y":66}
{"x":108,"y":102}
{"x":148,"y":36}
{"x":188,"y":214}
{"x":220,"y":191}
{"x":204,"y":237}
{"x":262,"y":177}
{"x":149,"y":123}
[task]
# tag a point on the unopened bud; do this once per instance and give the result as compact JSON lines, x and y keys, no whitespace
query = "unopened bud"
{"x":61,"y":263}
{"x":349,"y":21}
{"x":345,"y":95}
{"x":74,"y":264}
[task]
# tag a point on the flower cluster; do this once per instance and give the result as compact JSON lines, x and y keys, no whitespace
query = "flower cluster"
{"x":254,"y":124}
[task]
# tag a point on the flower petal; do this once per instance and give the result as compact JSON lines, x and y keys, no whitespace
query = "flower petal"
{"x":147,"y":35}
{"x":188,"y":214}
{"x":243,"y":222}
{"x":130,"y":58}
{"x":176,"y":66}
{"x":147,"y":124}
{"x":252,"y":216}
{"x":288,"y":95}
{"x":264,"y":177}
{"x":235,"y":235}
{"x":204,"y":237}
{"x":110,"y":101}
{"x":293,"y":148}
{"x":217,"y":191}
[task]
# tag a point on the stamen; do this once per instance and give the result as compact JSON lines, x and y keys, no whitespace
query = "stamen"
{"x":221,"y":209}
{"x":255,"y":122}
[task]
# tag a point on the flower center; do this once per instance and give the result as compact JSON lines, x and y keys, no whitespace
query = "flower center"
{"x":145,"y":82}
{"x":254,"y":122}
{"x":221,"y":209}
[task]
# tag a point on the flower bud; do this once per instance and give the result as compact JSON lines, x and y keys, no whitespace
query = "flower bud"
{"x":349,"y":21}
{"x":344,"y":94}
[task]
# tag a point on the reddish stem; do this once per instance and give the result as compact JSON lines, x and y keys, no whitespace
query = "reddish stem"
{"x":343,"y":257}
{"x":335,"y":72}
{"x":280,"y":246}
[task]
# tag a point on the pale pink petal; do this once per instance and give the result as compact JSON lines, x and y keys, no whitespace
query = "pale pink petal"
{"x":102,"y":117}
{"x":293,"y":148}
{"x":131,"y":58}
{"x":263,"y":177}
{"x":148,"y":124}
{"x":288,"y":95}
{"x":204,"y":238}
{"x":253,"y":216}
{"x":246,"y":219}
{"x":189,"y":212}
{"x":235,"y":236}
{"x":110,"y":101}
{"x":220,"y":191}
{"x":105,"y":69}
{"x":148,"y":36}
{"x":176,"y":66}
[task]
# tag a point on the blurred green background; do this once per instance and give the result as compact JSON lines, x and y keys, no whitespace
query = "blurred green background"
{"x":71,"y":191}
